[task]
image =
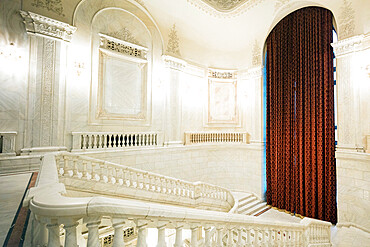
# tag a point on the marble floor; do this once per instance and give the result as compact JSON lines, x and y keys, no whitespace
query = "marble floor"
{"x":12,"y":190}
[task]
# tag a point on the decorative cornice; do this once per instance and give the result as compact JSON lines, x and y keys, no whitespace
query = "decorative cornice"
{"x":41,"y":25}
{"x":222,"y":74}
{"x":254,"y":72}
{"x":224,"y":8}
{"x":352,"y":44}
{"x":174,"y":63}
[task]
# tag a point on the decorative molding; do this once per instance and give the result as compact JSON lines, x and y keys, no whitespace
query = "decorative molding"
{"x":126,"y":35}
{"x":280,"y":3}
{"x":173,"y":42}
{"x":347,"y":20}
{"x":254,"y":72}
{"x":51,"y":5}
{"x":41,"y":25}
{"x":174,"y":63}
{"x":349,"y":45}
{"x":222,"y":74}
{"x":47,"y":92}
{"x":256,"y":54}
{"x":123,"y":47}
{"x":224,"y":8}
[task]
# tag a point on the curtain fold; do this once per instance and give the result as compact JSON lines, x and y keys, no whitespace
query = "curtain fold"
{"x":300,"y":141}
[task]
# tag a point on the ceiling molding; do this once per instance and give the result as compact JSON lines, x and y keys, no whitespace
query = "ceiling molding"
{"x":224,"y":8}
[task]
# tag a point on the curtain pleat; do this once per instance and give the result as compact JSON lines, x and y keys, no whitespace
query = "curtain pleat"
{"x":300,"y":161}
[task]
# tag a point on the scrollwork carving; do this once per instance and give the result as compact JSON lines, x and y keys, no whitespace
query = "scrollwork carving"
{"x":50,"y":5}
{"x":173,"y":46}
{"x":126,"y":35}
{"x":347,"y":20}
{"x":121,"y":46}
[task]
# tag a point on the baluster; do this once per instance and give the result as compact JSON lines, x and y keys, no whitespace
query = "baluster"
{"x":118,"y":232}
{"x":110,"y":175}
{"x":207,"y":236}
{"x":53,"y":236}
{"x":70,"y":233}
{"x":249,"y":237}
{"x":40,"y":232}
{"x":92,"y":224}
{"x":140,"y":181}
{"x":84,"y":169}
{"x":161,"y":234}
{"x":194,"y":236}
{"x":230,"y":237}
{"x":132,"y":179}
{"x":141,"y":239}
{"x":219,"y":237}
{"x":178,"y":241}
{"x":240,"y":239}
{"x":75,"y":167}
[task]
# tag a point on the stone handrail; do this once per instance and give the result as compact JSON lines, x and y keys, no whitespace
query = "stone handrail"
{"x":86,"y":141}
{"x":82,"y":173}
{"x":216,"y":137}
{"x":50,"y":211}
{"x":7,"y":143}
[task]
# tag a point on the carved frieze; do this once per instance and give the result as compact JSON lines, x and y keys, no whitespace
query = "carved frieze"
{"x":224,"y":8}
{"x":41,"y":25}
{"x":174,"y":63}
{"x":120,"y":46}
{"x":221,"y":74}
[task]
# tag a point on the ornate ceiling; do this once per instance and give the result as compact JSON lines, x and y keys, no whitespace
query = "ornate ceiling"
{"x":224,"y":7}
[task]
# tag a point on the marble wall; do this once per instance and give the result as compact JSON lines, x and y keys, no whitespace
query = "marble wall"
{"x":233,"y":166}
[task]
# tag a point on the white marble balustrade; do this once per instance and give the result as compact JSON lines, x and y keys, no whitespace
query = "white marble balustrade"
{"x":82,"y":173}
{"x":7,"y":143}
{"x":51,"y":211}
{"x":216,"y":137}
{"x":83,"y":141}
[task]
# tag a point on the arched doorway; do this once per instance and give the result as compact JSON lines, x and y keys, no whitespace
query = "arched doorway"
{"x":300,"y":132}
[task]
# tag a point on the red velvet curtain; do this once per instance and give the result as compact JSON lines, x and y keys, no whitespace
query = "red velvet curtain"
{"x":300,"y":141}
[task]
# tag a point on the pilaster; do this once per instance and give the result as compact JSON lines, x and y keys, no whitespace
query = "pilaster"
{"x":352,"y":92}
{"x":48,"y":41}
{"x":174,"y":72}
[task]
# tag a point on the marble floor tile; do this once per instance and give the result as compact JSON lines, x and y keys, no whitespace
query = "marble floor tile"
{"x":12,"y":190}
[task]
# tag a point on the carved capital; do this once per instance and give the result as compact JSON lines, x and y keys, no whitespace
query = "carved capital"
{"x":222,"y":74}
{"x":41,"y":25}
{"x":352,"y":44}
{"x":174,"y":63}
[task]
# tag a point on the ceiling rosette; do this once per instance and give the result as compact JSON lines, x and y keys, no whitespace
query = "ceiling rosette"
{"x":224,"y":8}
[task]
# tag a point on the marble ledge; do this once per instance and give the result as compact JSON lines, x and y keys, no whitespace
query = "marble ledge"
{"x":343,"y":155}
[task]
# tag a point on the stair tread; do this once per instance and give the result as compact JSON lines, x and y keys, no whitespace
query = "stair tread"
{"x":256,"y":208}
{"x":248,"y":206}
{"x":247,"y":201}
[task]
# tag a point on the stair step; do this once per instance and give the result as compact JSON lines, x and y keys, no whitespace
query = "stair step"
{"x":246,"y":201}
{"x":245,"y":197}
{"x":248,"y":206}
{"x":256,"y":208}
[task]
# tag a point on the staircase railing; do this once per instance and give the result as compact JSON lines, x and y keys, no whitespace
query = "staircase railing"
{"x":82,"y":173}
{"x":51,"y":211}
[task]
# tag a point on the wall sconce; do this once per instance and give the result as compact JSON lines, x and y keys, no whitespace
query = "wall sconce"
{"x":79,"y":67}
{"x":9,"y":51}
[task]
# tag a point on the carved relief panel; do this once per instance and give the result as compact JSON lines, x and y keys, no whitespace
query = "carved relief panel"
{"x":222,"y":98}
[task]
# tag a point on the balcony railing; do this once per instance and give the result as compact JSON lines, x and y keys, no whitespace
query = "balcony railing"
{"x":216,"y":137}
{"x":51,"y":211}
{"x":86,"y":141}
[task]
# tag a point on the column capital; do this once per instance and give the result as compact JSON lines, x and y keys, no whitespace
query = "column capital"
{"x":44,"y":26}
{"x":347,"y":46}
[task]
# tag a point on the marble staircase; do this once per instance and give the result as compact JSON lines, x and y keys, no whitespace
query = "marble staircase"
{"x":249,"y":204}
